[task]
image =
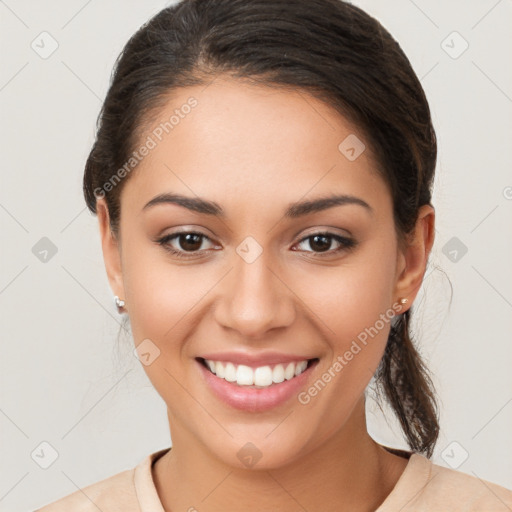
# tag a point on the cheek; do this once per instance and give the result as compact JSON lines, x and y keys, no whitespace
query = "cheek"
{"x":352,"y":297}
{"x":159,"y":293}
{"x":161,"y":297}
{"x":355,"y":306}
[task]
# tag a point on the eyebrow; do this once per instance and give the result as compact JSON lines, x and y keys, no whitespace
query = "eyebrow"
{"x":293,"y":210}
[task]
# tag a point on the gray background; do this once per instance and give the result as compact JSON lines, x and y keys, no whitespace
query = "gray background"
{"x":66,"y":381}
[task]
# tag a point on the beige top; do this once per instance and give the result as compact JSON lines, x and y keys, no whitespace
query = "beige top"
{"x":422,"y":487}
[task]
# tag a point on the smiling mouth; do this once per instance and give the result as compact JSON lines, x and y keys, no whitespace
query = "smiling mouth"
{"x":260,"y":377}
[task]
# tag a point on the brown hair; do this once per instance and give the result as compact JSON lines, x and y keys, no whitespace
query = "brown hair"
{"x":328,"y":48}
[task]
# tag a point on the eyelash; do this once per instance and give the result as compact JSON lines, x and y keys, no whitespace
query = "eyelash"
{"x":345,"y":243}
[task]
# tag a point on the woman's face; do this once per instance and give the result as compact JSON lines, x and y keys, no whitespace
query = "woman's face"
{"x":254,"y":287}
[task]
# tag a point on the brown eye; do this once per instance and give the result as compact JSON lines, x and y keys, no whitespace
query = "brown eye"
{"x":190,"y":241}
{"x":183,"y":243}
{"x":321,"y":242}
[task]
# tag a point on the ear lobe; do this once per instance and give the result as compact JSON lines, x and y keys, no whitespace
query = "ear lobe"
{"x":110,"y":248}
{"x":415,"y":256}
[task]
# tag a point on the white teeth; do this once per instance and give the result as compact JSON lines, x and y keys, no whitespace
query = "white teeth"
{"x":263,"y":376}
{"x":230,"y":375}
{"x":289,"y":373}
{"x":300,"y":367}
{"x":244,"y":375}
{"x":219,"y":370}
{"x":278,"y":374}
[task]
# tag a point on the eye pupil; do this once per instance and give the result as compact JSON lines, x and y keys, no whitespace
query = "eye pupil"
{"x":191,"y":241}
{"x":323,"y":246}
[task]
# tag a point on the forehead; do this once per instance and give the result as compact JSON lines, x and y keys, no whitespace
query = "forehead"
{"x":232,"y":140}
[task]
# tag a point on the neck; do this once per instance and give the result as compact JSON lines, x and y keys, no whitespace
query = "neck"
{"x":349,"y":472}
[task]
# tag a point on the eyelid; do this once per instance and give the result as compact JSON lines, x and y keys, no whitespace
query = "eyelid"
{"x":330,"y":230}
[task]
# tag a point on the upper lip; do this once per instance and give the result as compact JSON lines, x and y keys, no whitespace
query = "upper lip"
{"x":256,"y":359}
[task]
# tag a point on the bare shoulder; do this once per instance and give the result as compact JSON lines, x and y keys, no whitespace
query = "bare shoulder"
{"x":115,"y":493}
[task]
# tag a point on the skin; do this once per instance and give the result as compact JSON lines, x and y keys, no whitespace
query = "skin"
{"x":254,"y":150}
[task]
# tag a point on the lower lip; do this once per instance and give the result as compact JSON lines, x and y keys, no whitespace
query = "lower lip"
{"x":253,"y":399}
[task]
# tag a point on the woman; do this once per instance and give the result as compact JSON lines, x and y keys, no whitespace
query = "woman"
{"x":262,"y":178}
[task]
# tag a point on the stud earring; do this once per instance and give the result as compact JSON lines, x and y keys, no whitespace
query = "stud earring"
{"x":118,"y":302}
{"x":404,"y":301}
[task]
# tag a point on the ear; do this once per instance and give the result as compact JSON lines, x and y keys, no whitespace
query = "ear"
{"x":111,"y":249}
{"x":413,"y":259}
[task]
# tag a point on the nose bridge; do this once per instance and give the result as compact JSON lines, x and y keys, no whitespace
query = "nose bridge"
{"x":254,"y":300}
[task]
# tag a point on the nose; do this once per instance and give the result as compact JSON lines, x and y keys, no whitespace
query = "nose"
{"x":254,"y":298}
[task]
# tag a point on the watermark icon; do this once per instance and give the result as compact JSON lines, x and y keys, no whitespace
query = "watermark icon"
{"x":44,"y":250}
{"x":454,"y":45}
{"x":249,"y":249}
{"x":44,"y":455}
{"x":304,"y":397}
{"x":149,"y":144}
{"x":454,"y":249}
{"x":146,"y":352}
{"x":507,"y":193}
{"x":44,"y":45}
{"x":352,"y":147}
{"x":454,"y":455}
{"x":249,"y":455}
